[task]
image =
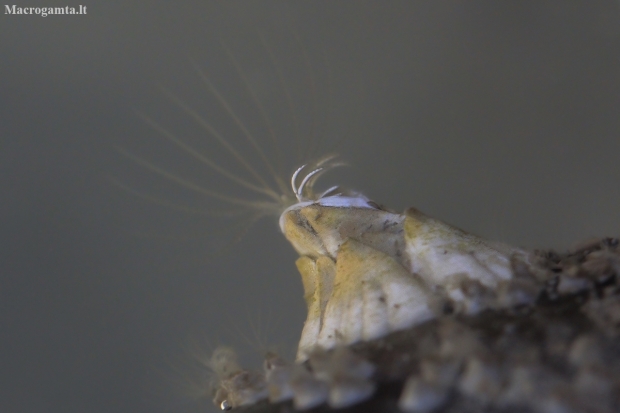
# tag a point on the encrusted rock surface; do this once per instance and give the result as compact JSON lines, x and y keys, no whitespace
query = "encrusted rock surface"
{"x":552,"y":344}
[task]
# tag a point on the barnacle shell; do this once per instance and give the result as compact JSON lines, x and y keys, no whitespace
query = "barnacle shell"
{"x":368,"y":272}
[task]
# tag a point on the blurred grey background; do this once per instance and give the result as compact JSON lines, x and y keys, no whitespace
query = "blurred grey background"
{"x":500,"y":117}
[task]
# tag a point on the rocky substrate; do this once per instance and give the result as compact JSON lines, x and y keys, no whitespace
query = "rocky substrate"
{"x":549,"y":343}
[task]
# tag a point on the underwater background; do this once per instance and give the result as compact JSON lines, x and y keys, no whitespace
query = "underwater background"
{"x":500,"y":118}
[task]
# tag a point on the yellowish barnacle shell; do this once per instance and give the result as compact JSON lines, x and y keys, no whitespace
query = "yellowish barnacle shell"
{"x":368,"y":272}
{"x":377,"y":292}
{"x":438,"y":252}
{"x":318,"y":280}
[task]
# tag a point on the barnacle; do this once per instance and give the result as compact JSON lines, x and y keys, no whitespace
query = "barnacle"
{"x":368,"y":272}
{"x":407,"y":299}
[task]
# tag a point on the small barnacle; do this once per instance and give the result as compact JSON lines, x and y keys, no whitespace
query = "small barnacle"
{"x":348,"y":391}
{"x":308,"y":391}
{"x":224,"y":362}
{"x":348,"y":375}
{"x":278,"y":374}
{"x":419,"y":396}
{"x":235,"y":386}
{"x":339,"y":362}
